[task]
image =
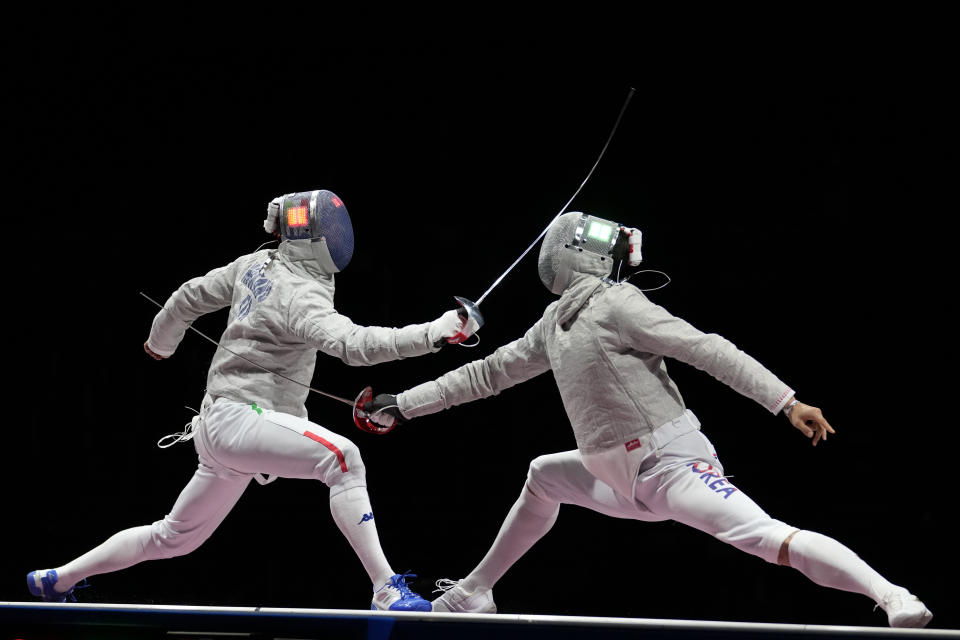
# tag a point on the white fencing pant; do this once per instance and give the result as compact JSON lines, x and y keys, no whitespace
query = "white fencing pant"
{"x":239,"y":438}
{"x":234,"y":442}
{"x":684,"y":482}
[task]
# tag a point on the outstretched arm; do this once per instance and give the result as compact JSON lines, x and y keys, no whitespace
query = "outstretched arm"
{"x":509,"y":365}
{"x":325,"y":329}
{"x":809,"y":420}
{"x":649,"y":328}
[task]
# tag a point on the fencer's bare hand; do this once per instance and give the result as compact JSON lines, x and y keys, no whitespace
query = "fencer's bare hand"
{"x":152,"y":353}
{"x":810,"y":421}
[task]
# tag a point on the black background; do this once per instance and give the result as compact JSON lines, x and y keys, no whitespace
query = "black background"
{"x":792,"y":186}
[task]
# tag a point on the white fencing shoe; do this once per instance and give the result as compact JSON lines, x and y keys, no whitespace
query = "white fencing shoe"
{"x":905,"y":610}
{"x":456,"y":599}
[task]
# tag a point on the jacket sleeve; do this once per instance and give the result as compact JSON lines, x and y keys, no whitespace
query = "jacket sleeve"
{"x":319,"y":325}
{"x":649,"y":328}
{"x":193,"y":299}
{"x":509,"y":365}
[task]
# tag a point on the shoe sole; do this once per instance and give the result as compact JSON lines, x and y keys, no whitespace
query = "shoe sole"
{"x":441,"y":607}
{"x":917,"y":621}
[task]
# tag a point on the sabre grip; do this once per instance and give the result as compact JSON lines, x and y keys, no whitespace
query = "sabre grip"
{"x":384,"y":410}
{"x":471,"y":317}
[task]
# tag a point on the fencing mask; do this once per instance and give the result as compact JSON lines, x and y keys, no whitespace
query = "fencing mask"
{"x":319,"y":217}
{"x":576,"y":233}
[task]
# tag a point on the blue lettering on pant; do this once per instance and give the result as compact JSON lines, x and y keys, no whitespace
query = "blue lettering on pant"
{"x":712,"y":478}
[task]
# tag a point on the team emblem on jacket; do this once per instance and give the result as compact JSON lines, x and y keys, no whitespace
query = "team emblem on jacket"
{"x":260,"y":288}
{"x":712,"y":477}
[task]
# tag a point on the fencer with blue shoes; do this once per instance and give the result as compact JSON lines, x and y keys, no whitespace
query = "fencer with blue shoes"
{"x":395,"y":595}
{"x":41,"y":584}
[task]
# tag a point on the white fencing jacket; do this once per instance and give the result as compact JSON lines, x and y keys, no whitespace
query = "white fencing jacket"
{"x":281,"y":314}
{"x":606,"y":344}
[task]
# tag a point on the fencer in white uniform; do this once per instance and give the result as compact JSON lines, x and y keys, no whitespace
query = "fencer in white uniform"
{"x":253,"y":422}
{"x":640,"y":452}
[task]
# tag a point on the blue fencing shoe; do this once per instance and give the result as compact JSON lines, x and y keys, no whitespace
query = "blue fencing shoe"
{"x":41,"y":584}
{"x":395,"y":595}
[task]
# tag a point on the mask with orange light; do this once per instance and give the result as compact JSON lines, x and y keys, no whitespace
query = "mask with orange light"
{"x":317,"y":217}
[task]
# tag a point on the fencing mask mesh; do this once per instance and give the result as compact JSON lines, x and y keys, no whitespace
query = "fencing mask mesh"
{"x":576,"y":232}
{"x":320,"y":217}
{"x":558,"y":235}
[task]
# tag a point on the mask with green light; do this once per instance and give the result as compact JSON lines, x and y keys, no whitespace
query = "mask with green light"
{"x":607,"y":239}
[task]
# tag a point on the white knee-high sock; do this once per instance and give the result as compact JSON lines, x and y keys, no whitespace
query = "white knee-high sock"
{"x":352,"y":512}
{"x":529,"y":519}
{"x":121,"y":550}
{"x":831,"y":564}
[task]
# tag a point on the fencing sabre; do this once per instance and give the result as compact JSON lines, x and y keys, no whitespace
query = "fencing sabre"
{"x":470,"y":311}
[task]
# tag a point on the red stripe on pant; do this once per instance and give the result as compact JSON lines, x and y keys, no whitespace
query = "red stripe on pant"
{"x":331,"y":446}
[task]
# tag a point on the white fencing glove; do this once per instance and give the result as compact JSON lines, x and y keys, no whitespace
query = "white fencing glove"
{"x":446,"y":326}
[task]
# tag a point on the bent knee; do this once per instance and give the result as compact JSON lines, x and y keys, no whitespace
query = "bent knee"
{"x":542,"y":473}
{"x":345,"y":469}
{"x":351,"y":461}
{"x":550,"y":476}
{"x":553,"y":466}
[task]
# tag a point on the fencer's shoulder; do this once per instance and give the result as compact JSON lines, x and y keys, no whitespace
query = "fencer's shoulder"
{"x":309,"y":292}
{"x":248,"y":261}
{"x":261,"y":256}
{"x":624,"y":293}
{"x":624,"y":304}
{"x":298,"y":293}
{"x":550,"y":313}
{"x":301,"y":305}
{"x":248,"y":265}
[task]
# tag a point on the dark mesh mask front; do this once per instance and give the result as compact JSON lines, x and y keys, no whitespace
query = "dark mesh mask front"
{"x":333,"y":223}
